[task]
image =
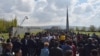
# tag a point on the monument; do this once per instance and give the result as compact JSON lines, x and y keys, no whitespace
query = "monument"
{"x":67,"y":19}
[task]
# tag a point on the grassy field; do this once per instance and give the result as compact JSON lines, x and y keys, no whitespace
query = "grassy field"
{"x":6,"y":34}
{"x":97,"y":33}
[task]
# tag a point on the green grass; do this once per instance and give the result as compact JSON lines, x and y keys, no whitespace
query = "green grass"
{"x":6,"y":35}
{"x":97,"y":33}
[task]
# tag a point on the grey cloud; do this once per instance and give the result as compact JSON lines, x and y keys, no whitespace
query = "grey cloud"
{"x":95,"y":19}
{"x":6,"y":6}
{"x":7,"y":3}
{"x":59,"y":4}
{"x":61,"y":13}
{"x":7,"y":9}
{"x":88,"y":9}
{"x":41,"y":4}
{"x":50,"y":1}
{"x":48,"y":12}
{"x":24,"y":8}
{"x":12,"y":5}
{"x":43,"y":16}
{"x":58,"y":12}
{"x":49,"y":9}
{"x":77,"y":10}
{"x":86,"y":12}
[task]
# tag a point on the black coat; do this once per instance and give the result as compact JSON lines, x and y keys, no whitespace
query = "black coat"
{"x":88,"y":48}
{"x":7,"y":53}
{"x":16,"y":45}
{"x":31,"y":43}
{"x":31,"y":47}
{"x":24,"y":47}
{"x":56,"y":52}
{"x":9,"y":40}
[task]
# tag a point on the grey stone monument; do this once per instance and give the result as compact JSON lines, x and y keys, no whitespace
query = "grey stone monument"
{"x":67,"y":19}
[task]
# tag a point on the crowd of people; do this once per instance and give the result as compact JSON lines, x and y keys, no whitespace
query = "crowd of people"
{"x":51,"y":44}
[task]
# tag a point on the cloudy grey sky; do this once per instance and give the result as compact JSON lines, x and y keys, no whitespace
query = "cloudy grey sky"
{"x":52,"y":12}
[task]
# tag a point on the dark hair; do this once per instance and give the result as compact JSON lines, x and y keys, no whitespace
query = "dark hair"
{"x":68,"y":53}
{"x":27,"y":33}
{"x":56,"y":44}
{"x":94,"y":52}
{"x":68,"y":42}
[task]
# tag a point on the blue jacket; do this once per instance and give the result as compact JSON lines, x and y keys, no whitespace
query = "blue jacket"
{"x":44,"y":52}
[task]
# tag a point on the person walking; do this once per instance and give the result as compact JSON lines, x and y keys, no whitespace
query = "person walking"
{"x":56,"y":50}
{"x":45,"y":50}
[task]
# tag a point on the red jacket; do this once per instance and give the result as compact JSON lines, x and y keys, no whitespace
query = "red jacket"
{"x":74,"y":50}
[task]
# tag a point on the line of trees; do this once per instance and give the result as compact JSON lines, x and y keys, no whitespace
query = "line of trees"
{"x":92,"y":28}
{"x":5,"y":24}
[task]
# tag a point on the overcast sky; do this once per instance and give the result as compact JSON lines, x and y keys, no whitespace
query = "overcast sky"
{"x":52,"y":12}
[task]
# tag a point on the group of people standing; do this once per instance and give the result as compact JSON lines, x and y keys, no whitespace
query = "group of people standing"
{"x":52,"y":44}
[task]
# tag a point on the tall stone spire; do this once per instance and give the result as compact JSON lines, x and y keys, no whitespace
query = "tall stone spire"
{"x":67,"y":18}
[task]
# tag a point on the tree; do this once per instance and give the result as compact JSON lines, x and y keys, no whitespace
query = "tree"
{"x":5,"y":25}
{"x":98,"y":29}
{"x":83,"y":29}
{"x":77,"y":29}
{"x":15,"y":22}
{"x":92,"y":28}
{"x":71,"y":29}
{"x":2,"y":25}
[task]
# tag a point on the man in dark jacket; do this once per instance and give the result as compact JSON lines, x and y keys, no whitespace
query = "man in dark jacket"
{"x":89,"y":47}
{"x":24,"y":47}
{"x":31,"y":46}
{"x":56,"y":50}
{"x":8,"y":50}
{"x":17,"y":45}
{"x":39,"y":46}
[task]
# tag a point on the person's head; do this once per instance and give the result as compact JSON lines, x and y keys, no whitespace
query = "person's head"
{"x":27,"y":35}
{"x":56,"y":44}
{"x":48,"y":34}
{"x":94,"y":52}
{"x":90,"y":40}
{"x":46,"y":44}
{"x":32,"y":36}
{"x":9,"y":46}
{"x":68,"y":42}
{"x":18,"y":35}
{"x":18,"y":53}
{"x":69,"y":53}
{"x":10,"y":35}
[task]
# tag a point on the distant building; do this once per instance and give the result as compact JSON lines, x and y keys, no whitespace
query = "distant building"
{"x":22,"y":30}
{"x":56,"y":27}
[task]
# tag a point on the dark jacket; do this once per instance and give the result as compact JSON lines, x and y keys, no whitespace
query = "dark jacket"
{"x":24,"y":47}
{"x":16,"y":45}
{"x":88,"y":48}
{"x":31,"y":47}
{"x":9,"y":40}
{"x":7,"y":53}
{"x":56,"y":51}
